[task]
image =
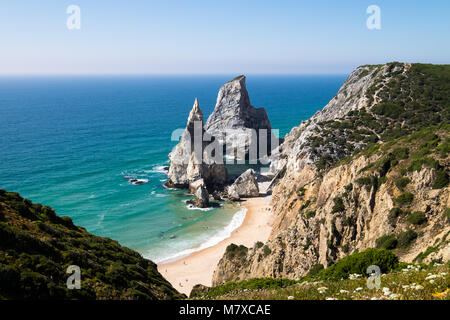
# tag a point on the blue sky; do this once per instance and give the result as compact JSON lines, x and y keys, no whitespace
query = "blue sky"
{"x":214,"y":37}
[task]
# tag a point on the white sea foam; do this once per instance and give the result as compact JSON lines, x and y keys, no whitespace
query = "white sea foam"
{"x":157,"y":169}
{"x":225,"y":233}
{"x":168,"y":188}
{"x":161,"y":195}
{"x":192,"y":207}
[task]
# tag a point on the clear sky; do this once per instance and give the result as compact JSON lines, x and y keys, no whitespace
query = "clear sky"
{"x":214,"y":37}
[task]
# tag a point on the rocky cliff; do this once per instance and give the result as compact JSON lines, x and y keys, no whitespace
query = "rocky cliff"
{"x":369,"y":170}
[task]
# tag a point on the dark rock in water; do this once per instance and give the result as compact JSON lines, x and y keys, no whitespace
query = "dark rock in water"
{"x":172,"y":237}
{"x":166,"y":168}
{"x":138,"y":181}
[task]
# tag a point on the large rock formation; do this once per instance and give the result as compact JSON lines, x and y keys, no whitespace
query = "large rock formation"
{"x":188,"y":164}
{"x":198,"y":189}
{"x":245,"y":186}
{"x":325,"y":209}
{"x":234,"y":118}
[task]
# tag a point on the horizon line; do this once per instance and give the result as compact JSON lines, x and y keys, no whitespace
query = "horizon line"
{"x":166,"y":74}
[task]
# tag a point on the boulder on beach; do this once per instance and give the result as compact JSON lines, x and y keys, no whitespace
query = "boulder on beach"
{"x":246,"y":185}
{"x":232,"y":193}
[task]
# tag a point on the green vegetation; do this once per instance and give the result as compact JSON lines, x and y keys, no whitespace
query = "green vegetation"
{"x":441,"y":180}
{"x":439,"y":243}
{"x":387,"y":242}
{"x":403,"y":240}
{"x":413,"y":284}
{"x":338,"y":205}
{"x":266,"y":251}
{"x":310,"y":214}
{"x":406,"y":238}
{"x":401,"y":183}
{"x":411,"y":100}
{"x":447,"y":214}
{"x":252,"y":284}
{"x":301,"y":192}
{"x":315,"y":270}
{"x":37,"y":246}
{"x":234,"y":251}
{"x":359,"y":262}
{"x":394,"y":214}
{"x":417,"y":218}
{"x":390,"y":110}
{"x":404,"y":199}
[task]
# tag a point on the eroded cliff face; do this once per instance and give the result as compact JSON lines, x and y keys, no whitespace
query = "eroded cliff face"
{"x":330,"y":199}
{"x":298,"y":149}
{"x":186,"y":166}
{"x":234,"y":120}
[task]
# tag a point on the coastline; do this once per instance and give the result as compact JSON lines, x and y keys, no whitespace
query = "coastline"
{"x":199,"y":266}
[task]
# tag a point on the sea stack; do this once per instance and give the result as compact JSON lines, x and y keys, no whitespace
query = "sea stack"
{"x":234,"y":118}
{"x":184,"y":167}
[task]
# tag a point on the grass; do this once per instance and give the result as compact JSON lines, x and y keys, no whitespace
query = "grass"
{"x":406,"y":283}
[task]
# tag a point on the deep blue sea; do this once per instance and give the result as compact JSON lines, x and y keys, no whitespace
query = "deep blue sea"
{"x":73,"y":142}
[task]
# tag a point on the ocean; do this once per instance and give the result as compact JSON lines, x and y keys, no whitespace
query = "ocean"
{"x":73,"y":142}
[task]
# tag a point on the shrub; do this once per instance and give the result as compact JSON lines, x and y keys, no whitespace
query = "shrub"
{"x":233,"y":251}
{"x":394,"y":214}
{"x":390,"y":110}
{"x":301,"y":192}
{"x":400,"y":153}
{"x":259,"y":244}
{"x":417,"y":218}
{"x":359,"y":262}
{"x":338,"y":205}
{"x":447,"y":214}
{"x":305,"y":205}
{"x":345,"y":248}
{"x":310,"y":214}
{"x":441,"y":180}
{"x":315,"y":269}
{"x":365,"y":181}
{"x":402,"y":183}
{"x":406,"y":238}
{"x":266,"y":251}
{"x":386,"y":242}
{"x":405,"y":198}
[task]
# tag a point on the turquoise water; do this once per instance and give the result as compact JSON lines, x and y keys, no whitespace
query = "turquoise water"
{"x":71,"y":143}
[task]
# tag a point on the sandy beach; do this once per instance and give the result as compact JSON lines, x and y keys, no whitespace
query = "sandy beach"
{"x":198,"y":268}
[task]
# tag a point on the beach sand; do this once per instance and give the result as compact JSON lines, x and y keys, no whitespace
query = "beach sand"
{"x":198,"y":267}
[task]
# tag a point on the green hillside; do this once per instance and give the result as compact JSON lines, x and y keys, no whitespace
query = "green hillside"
{"x":37,"y":246}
